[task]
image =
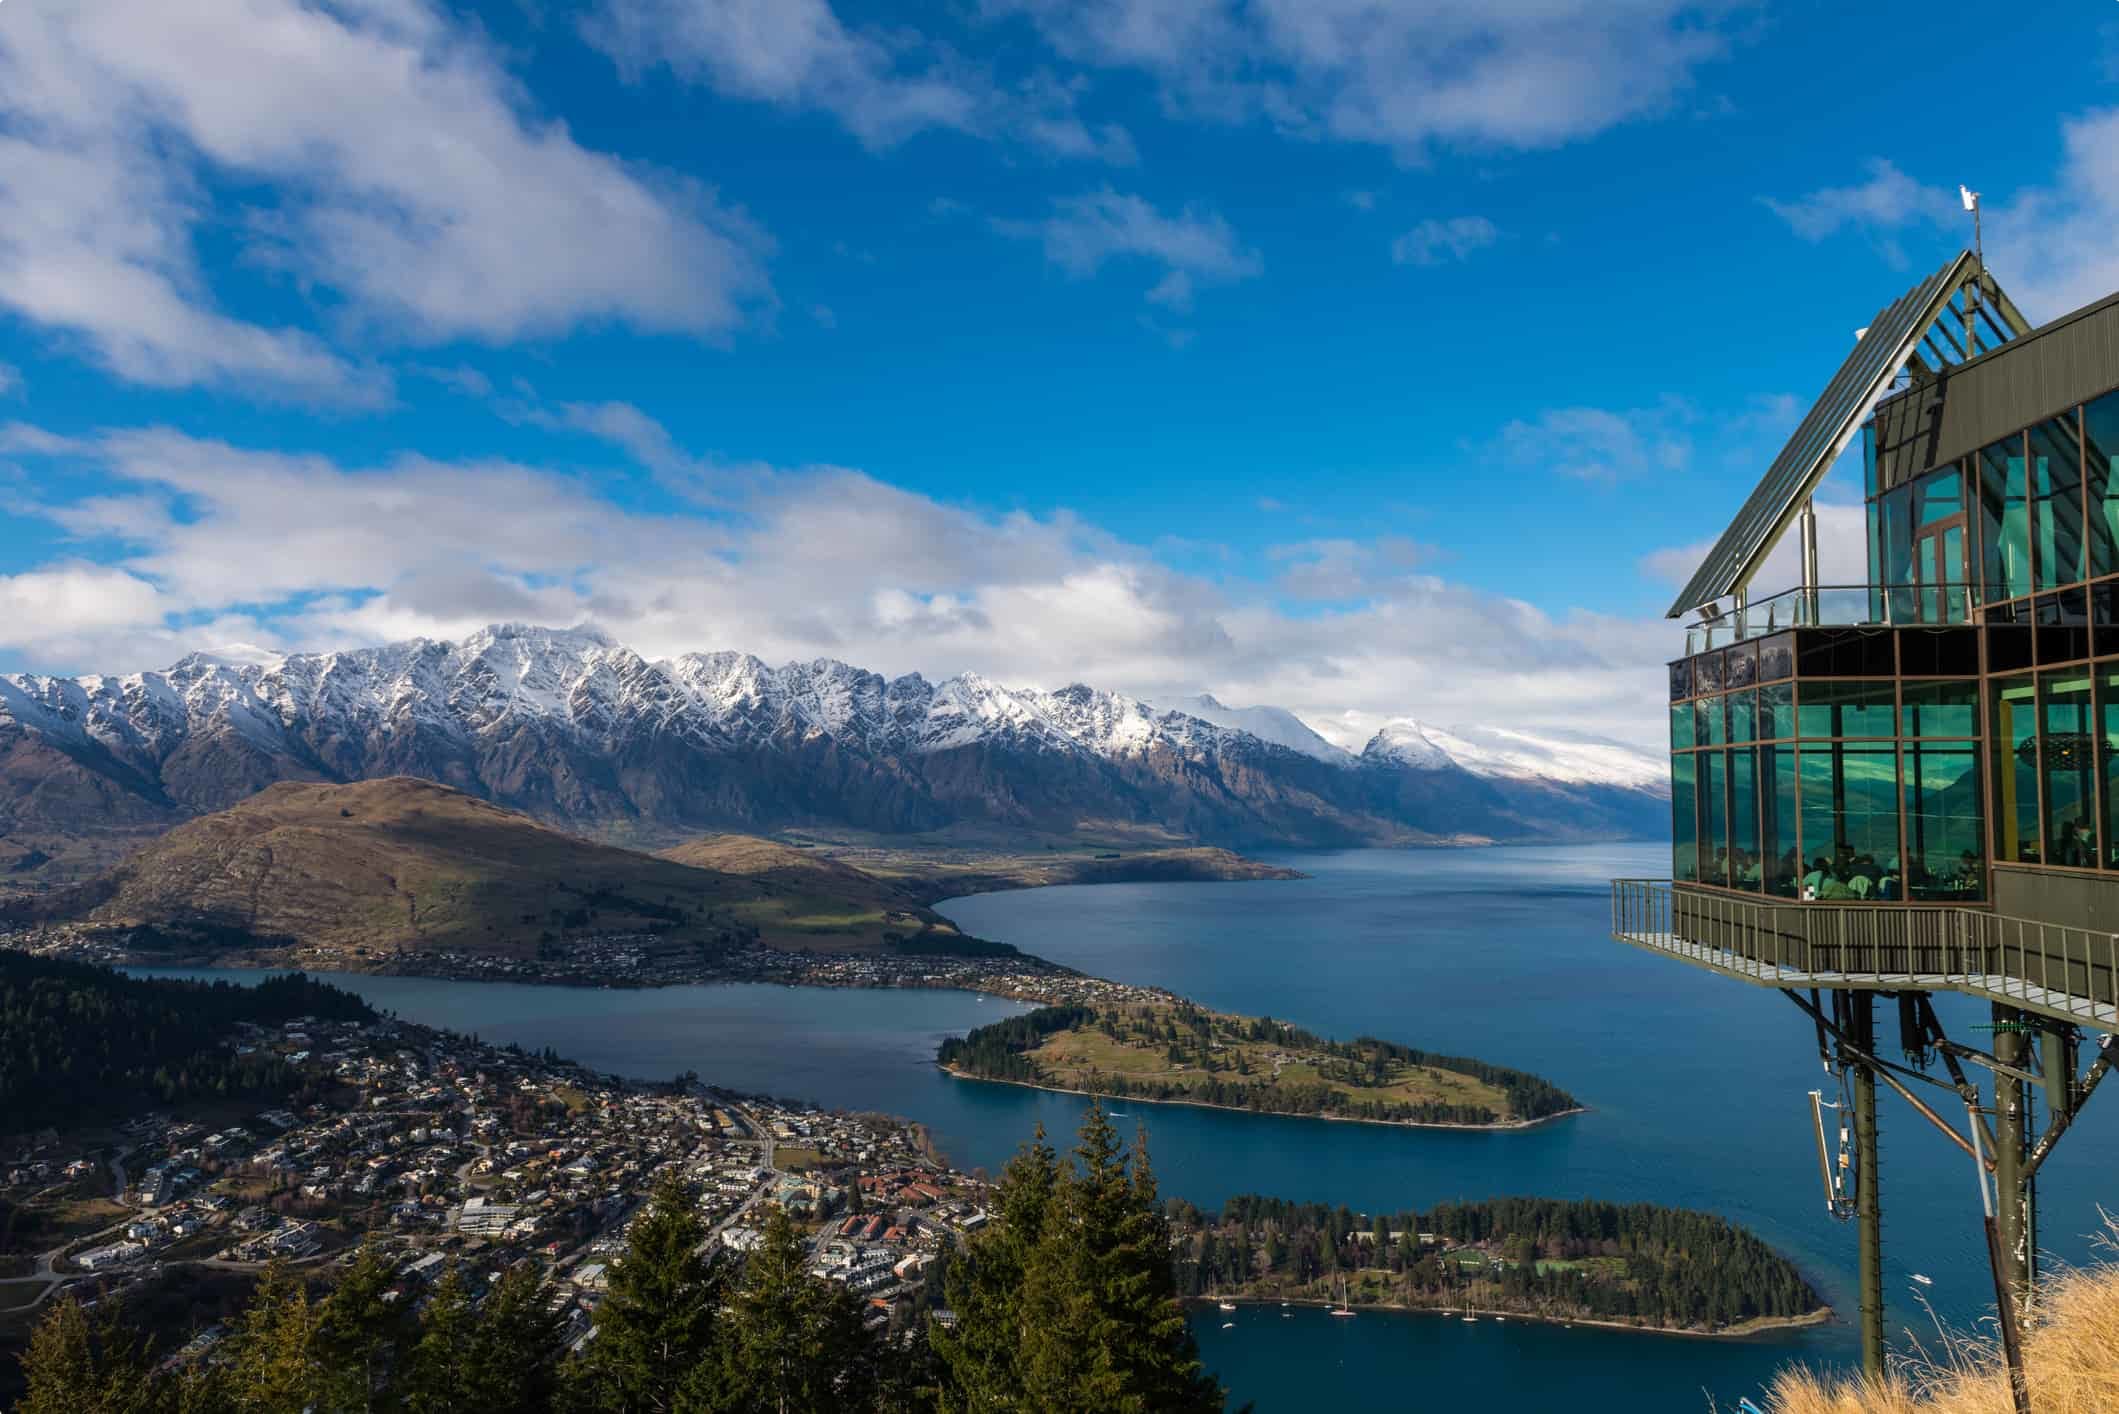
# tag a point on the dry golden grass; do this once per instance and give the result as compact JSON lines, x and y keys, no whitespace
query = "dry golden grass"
{"x":2070,"y":1359}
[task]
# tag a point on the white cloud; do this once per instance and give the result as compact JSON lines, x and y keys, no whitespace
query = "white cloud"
{"x":10,"y":380}
{"x":1842,"y":554}
{"x":411,"y":184}
{"x":1193,"y":246}
{"x":1509,"y":73}
{"x":301,"y":551}
{"x":1886,"y":200}
{"x":1597,"y":444}
{"x":707,"y":480}
{"x":1432,"y":242}
{"x":883,"y":85}
{"x":2050,"y":246}
{"x":2053,"y":247}
{"x":1883,"y":205}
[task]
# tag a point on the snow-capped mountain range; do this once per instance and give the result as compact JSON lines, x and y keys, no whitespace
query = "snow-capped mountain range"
{"x":575,"y":728}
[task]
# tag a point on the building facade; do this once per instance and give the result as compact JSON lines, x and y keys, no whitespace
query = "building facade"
{"x":1948,"y":731}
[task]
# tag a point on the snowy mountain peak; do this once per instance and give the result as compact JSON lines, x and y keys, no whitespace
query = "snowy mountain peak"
{"x":1405,"y":742}
{"x":1270,"y":724}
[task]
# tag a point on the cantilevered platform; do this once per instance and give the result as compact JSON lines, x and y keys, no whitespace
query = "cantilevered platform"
{"x":1998,"y":987}
{"x":2066,"y":974}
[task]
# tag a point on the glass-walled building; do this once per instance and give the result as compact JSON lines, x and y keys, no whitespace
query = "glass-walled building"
{"x":1948,"y":731}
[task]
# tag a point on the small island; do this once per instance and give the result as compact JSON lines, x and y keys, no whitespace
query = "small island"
{"x":1633,"y":1266}
{"x":1168,"y":1049}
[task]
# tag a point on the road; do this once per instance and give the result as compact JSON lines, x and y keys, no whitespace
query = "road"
{"x":45,"y":1272}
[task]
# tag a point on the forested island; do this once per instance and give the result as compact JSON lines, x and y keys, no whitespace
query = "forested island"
{"x":81,"y":1043}
{"x":1634,"y":1264}
{"x":1174,"y":1050}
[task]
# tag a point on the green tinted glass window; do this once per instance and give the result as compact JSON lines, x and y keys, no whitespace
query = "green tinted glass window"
{"x":1714,"y":818}
{"x":1681,"y":726}
{"x":1743,"y":716}
{"x":2100,"y":445}
{"x":1708,"y":726}
{"x":2013,"y":712}
{"x":1778,"y":859}
{"x":1744,"y":868}
{"x":1684,"y":818}
{"x":1845,"y":708}
{"x":2005,"y":520}
{"x":1940,"y":708}
{"x":2068,"y":755}
{"x":1850,"y":821}
{"x":2108,"y":760}
{"x":1776,"y":710}
{"x":2056,"y":502}
{"x":1945,"y":837}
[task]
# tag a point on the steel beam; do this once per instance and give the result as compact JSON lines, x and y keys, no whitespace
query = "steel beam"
{"x":2012,"y":1183}
{"x":1869,"y":1209}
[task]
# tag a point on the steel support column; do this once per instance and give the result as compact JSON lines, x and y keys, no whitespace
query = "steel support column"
{"x":1869,"y":1209}
{"x":2013,"y":1205}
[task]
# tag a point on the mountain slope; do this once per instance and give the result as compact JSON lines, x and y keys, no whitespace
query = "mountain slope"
{"x":405,"y":864}
{"x":571,"y":727}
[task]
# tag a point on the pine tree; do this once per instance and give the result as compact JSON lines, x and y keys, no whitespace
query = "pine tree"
{"x":657,"y":1321}
{"x":275,"y":1365}
{"x":434,"y":1373}
{"x":1103,"y":1332}
{"x":791,"y":1344}
{"x":361,"y":1334}
{"x":74,"y":1364}
{"x":981,"y":1357}
{"x":513,"y":1359}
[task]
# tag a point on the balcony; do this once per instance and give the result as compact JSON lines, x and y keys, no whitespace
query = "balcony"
{"x":2065,"y":973}
{"x":1837,"y":606}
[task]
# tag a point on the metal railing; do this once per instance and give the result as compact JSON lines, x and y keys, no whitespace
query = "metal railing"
{"x":1837,"y":605}
{"x":2061,"y":971}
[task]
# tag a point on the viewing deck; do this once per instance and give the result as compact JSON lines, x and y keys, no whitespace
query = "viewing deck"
{"x":2064,"y":973}
{"x":1932,"y":605}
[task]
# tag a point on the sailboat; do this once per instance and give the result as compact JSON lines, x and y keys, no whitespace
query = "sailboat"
{"x":1342,"y":1309}
{"x":1471,"y":1312}
{"x":1219,"y":1300}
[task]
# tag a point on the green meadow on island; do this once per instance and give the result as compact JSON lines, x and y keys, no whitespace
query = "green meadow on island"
{"x":1174,"y":1051}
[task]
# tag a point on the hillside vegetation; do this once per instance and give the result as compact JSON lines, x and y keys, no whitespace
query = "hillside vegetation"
{"x":1178,"y":1051}
{"x":374,"y":867}
{"x":79,"y":1042}
{"x":1575,"y":1260}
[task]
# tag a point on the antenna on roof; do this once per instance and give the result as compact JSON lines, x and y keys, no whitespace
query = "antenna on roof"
{"x":1970,"y":199}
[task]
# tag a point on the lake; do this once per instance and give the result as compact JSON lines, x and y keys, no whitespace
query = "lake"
{"x":1698,"y":1087}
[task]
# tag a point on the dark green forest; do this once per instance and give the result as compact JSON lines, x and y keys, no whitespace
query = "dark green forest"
{"x":1187,"y":1032}
{"x":81,"y":1043}
{"x":1634,"y":1262}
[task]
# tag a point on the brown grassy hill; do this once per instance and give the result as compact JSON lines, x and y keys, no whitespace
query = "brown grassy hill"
{"x":405,"y":863}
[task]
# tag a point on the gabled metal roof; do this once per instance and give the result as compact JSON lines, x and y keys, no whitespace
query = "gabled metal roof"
{"x":1929,"y":328}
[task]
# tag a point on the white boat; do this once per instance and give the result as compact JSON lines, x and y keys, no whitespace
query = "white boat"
{"x":1226,"y":1305}
{"x":1342,"y":1309}
{"x":1923,"y":1279}
{"x":1228,"y":1325}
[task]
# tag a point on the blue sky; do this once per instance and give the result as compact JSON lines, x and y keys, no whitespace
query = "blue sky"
{"x":1366,"y":358}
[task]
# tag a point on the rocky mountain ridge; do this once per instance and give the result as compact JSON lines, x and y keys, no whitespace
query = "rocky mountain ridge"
{"x":573,"y":727}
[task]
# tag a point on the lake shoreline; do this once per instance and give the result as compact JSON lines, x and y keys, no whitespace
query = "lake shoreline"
{"x":1761,"y":1325}
{"x":1506,"y":1126}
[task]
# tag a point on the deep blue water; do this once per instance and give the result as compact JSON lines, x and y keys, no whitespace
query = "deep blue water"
{"x":1698,"y":1086}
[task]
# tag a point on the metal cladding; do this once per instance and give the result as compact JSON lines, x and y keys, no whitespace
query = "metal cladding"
{"x":1895,"y":339}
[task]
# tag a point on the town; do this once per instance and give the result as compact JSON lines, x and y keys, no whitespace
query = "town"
{"x":450,"y":1153}
{"x":634,"y":960}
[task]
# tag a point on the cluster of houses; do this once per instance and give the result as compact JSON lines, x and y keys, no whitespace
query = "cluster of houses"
{"x":453,"y":1154}
{"x":651,"y":960}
